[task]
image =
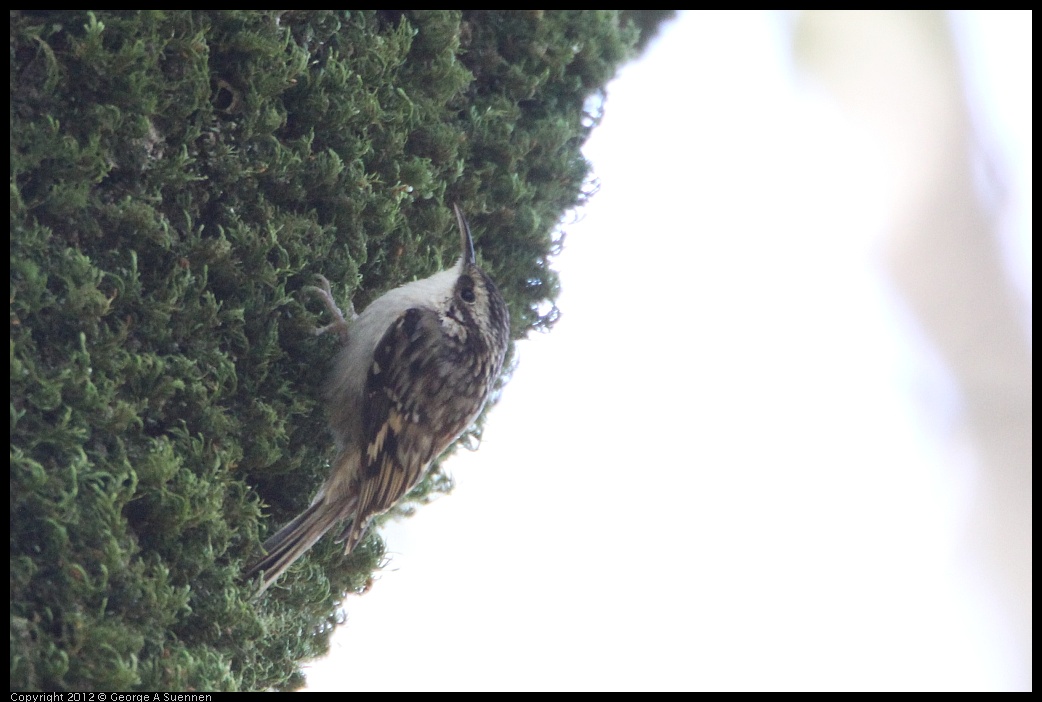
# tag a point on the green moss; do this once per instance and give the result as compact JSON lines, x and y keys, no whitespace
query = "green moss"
{"x":176,"y":178}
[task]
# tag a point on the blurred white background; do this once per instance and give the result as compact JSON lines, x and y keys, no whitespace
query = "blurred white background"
{"x":780,"y":438}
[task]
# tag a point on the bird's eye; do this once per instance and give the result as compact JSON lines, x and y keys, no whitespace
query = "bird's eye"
{"x":466,"y":289}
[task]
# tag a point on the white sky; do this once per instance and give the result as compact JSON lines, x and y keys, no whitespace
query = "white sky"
{"x":732,"y":464}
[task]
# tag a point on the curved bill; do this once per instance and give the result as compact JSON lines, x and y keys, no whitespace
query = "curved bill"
{"x":466,"y":241}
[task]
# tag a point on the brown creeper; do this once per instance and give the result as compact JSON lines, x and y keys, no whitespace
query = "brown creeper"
{"x":414,"y":371}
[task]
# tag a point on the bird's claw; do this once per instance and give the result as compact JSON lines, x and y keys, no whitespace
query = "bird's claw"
{"x":340,"y":324}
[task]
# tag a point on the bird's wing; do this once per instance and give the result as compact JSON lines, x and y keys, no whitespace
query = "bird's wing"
{"x":399,"y":439}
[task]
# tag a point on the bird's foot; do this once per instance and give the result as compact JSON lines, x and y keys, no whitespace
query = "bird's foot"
{"x":340,"y":324}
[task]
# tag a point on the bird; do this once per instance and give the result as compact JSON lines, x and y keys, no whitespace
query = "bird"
{"x":413,"y":372}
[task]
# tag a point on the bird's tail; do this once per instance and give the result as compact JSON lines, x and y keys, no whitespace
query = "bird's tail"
{"x":294,"y":539}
